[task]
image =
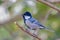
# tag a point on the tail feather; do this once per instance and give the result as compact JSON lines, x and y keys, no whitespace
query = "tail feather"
{"x":49,"y":29}
{"x":46,"y":28}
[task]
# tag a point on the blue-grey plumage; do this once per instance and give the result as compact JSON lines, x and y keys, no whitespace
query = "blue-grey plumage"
{"x":32,"y":23}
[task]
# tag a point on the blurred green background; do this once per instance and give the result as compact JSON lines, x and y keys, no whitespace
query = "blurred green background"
{"x":44,"y":14}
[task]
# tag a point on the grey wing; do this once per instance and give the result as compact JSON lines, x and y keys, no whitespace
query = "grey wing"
{"x":39,"y":24}
{"x":33,"y":24}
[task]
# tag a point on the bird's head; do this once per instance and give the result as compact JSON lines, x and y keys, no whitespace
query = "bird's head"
{"x":27,"y":15}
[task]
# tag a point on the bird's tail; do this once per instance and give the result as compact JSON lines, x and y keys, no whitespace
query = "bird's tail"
{"x":48,"y":29}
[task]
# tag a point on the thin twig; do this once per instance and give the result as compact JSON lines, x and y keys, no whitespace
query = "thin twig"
{"x":49,"y":4}
{"x":53,"y":1}
{"x":47,"y":15}
{"x":28,"y":32}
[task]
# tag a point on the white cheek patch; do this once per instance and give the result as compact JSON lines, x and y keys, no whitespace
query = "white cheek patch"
{"x":27,"y":17}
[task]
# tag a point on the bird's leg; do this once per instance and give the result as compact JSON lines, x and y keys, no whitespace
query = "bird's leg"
{"x":35,"y":32}
{"x":27,"y":29}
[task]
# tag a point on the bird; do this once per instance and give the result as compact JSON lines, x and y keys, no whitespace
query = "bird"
{"x":32,"y":23}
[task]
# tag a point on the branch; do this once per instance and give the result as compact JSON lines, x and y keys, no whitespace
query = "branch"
{"x":47,"y":15}
{"x":27,"y":32}
{"x":53,"y":1}
{"x":49,"y":4}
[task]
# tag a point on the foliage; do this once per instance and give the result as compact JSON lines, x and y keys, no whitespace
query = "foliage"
{"x":10,"y":31}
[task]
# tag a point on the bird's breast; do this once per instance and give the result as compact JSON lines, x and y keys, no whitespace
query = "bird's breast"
{"x":31,"y":25}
